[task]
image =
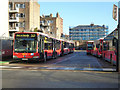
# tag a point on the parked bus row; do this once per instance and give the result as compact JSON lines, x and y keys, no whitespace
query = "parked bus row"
{"x":39,"y":46}
{"x":105,"y":48}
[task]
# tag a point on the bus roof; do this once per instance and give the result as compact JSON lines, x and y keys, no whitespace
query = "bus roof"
{"x":45,"y":35}
{"x":90,"y":41}
{"x":34,"y":32}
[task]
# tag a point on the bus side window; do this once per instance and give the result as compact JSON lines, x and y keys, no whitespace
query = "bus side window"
{"x":97,"y":45}
{"x":114,"y":41}
{"x":42,"y":45}
{"x":39,"y":44}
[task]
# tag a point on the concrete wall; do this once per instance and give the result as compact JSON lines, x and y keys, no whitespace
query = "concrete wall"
{"x":4,"y":25}
{"x":34,"y":13}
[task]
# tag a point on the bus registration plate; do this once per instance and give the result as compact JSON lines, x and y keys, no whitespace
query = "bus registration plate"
{"x":24,"y":58}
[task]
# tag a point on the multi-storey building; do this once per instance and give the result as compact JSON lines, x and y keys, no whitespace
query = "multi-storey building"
{"x":52,"y":25}
{"x":23,"y":16}
{"x":88,"y":32}
{"x":65,"y":36}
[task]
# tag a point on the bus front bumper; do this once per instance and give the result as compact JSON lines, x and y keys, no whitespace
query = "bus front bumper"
{"x":34,"y":58}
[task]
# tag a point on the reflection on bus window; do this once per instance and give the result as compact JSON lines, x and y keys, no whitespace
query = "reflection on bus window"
{"x":48,"y":46}
{"x":90,"y":46}
{"x":25,"y":45}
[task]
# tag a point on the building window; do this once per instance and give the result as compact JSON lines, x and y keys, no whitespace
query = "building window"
{"x":50,"y":21}
{"x":10,"y":5}
{"x":21,"y":24}
{"x":20,"y":5}
{"x":16,"y":24}
{"x":21,"y":15}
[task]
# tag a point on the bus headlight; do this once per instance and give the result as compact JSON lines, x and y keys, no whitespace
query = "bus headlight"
{"x":32,"y":54}
{"x":15,"y":57}
{"x":36,"y":57}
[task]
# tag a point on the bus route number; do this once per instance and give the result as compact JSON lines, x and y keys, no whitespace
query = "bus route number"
{"x":32,"y":35}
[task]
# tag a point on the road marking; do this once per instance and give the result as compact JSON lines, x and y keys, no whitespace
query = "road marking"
{"x":59,"y":68}
{"x":99,"y":64}
{"x":4,"y":66}
{"x":33,"y":68}
{"x":51,"y":68}
{"x":65,"y":59}
{"x":16,"y":67}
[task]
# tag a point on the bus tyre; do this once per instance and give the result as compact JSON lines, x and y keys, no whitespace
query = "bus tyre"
{"x":45,"y":57}
{"x":104,"y":56}
{"x":111,"y":59}
{"x":53,"y":56}
{"x":60,"y":54}
{"x":56,"y":55}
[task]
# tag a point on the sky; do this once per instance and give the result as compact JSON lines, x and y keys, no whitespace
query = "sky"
{"x":81,"y":13}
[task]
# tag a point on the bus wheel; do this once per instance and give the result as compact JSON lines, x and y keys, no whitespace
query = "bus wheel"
{"x":104,"y":56}
{"x":111,"y":59}
{"x":45,"y":57}
{"x":56,"y":55}
{"x":61,"y":53}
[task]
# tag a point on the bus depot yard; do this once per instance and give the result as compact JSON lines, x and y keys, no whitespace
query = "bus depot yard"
{"x":38,"y":58}
{"x":45,"y":50}
{"x":75,"y":70}
{"x":79,"y":60}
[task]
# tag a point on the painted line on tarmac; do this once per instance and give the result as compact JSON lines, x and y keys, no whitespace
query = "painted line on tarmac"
{"x":64,"y":59}
{"x":58,"y":68}
{"x":99,"y":64}
{"x":4,"y":66}
{"x":16,"y":67}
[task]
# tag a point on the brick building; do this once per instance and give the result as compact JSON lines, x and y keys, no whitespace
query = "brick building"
{"x":52,"y":25}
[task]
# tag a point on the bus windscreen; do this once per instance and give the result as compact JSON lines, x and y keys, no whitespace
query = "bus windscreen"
{"x":25,"y":43}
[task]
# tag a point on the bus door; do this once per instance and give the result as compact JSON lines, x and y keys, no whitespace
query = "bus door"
{"x":54,"y":48}
{"x":115,"y":43}
{"x":54,"y":44}
{"x":62,"y":47}
{"x":41,"y":46}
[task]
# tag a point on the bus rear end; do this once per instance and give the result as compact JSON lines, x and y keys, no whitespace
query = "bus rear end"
{"x":89,"y":47}
{"x":25,"y":46}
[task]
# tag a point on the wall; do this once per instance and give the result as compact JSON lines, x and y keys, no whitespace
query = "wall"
{"x":34,"y":13}
{"x":4,"y":26}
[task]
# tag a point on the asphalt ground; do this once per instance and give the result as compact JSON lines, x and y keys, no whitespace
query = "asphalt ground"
{"x":78,"y":60}
{"x":75,"y":70}
{"x":58,"y":79}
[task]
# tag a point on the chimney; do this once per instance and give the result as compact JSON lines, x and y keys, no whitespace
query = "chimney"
{"x":43,"y":16}
{"x":57,"y":15}
{"x":92,"y":24}
{"x":51,"y":15}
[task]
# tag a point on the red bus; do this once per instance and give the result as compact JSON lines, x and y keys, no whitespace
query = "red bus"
{"x":110,"y":47}
{"x":107,"y":47}
{"x":98,"y":48}
{"x":71,"y":47}
{"x":37,"y":46}
{"x":89,"y":47}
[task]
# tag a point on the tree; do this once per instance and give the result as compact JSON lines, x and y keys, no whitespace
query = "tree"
{"x":35,"y":29}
